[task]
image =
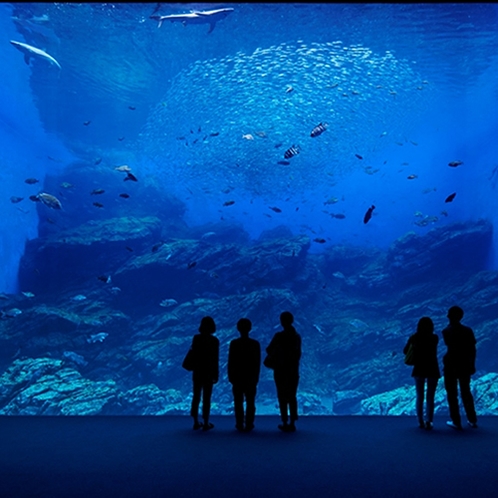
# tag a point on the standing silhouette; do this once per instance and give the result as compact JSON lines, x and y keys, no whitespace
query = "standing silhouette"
{"x":459,"y":365}
{"x":284,"y":351}
{"x":425,"y":368}
{"x":205,"y":348}
{"x":244,"y":362}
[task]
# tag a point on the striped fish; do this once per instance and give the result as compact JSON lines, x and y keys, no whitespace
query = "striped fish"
{"x":318,"y":130}
{"x":291,"y":152}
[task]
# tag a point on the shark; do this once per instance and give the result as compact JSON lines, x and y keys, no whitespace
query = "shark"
{"x":210,"y":17}
{"x":30,"y":51}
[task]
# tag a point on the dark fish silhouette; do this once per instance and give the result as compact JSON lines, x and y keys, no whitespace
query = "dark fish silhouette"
{"x":131,"y":107}
{"x":98,"y":160}
{"x":98,"y":204}
{"x":15,"y":199}
{"x":228,"y":203}
{"x":450,"y":197}
{"x":339,"y":216}
{"x":368,"y":214}
{"x":34,"y":198}
{"x":291,"y":152}
{"x":284,"y":163}
{"x":318,"y":130}
{"x":103,"y":278}
{"x":191,"y":265}
{"x":358,"y":156}
{"x":276,"y":209}
{"x":86,"y":123}
{"x":454,"y":164}
{"x":124,"y":196}
{"x":215,"y":134}
{"x":31,"y":181}
{"x":97,"y":191}
{"x":130,"y":176}
{"x":128,"y":248}
{"x":319,"y":240}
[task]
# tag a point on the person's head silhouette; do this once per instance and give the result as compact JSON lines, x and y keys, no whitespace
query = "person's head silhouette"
{"x":207,"y":325}
{"x":244,"y":326}
{"x":455,"y":314}
{"x":286,"y":319}
{"x":425,"y":326}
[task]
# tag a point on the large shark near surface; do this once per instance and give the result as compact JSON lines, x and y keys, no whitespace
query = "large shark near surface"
{"x":210,"y":17}
{"x":30,"y":51}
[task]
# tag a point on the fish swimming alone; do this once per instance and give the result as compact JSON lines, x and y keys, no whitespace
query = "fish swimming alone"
{"x":368,"y":214}
{"x":30,"y":51}
{"x":454,"y":164}
{"x":210,"y":17}
{"x":318,"y":130}
{"x":450,"y":197}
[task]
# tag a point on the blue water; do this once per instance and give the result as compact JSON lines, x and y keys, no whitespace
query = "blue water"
{"x":204,"y":118}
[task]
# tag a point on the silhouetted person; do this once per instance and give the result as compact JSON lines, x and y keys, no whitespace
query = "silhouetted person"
{"x":425,"y":368}
{"x":459,"y":365}
{"x":205,"y":347}
{"x":285,"y":351}
{"x":244,"y":362}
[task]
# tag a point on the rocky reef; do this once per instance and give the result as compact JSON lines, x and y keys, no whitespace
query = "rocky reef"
{"x":109,"y":308}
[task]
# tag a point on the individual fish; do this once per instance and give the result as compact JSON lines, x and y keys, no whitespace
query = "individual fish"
{"x":214,"y":134}
{"x":444,"y":213}
{"x":454,"y":164}
{"x":34,"y":198}
{"x":262,"y":134}
{"x":289,"y":89}
{"x":331,"y":200}
{"x":124,"y":169}
{"x":339,"y":216}
{"x":103,"y":278}
{"x":31,"y":181}
{"x":27,"y":294}
{"x":155,"y":247}
{"x":121,"y":138}
{"x":97,"y":191}
{"x":368,"y":214}
{"x":278,"y":145}
{"x":131,"y":176}
{"x":429,"y":190}
{"x":291,"y":152}
{"x":78,"y":298}
{"x":12,"y":313}
{"x":115,"y":290}
{"x":207,"y":235}
{"x":49,"y":200}
{"x":318,"y":129}
{"x":128,"y":248}
{"x":100,"y":337}
{"x":180,"y":138}
{"x":319,"y":240}
{"x":411,"y":177}
{"x":284,"y":163}
{"x":66,"y":185}
{"x":339,"y":275}
{"x":30,"y":51}
{"x":210,"y":17}
{"x":276,"y":209}
{"x":131,"y":107}
{"x":15,"y":199}
{"x":166,"y":303}
{"x":228,"y":203}
{"x":248,"y":136}
{"x":86,"y":123}
{"x":418,"y":214}
{"x":383,"y":134}
{"x":98,"y":204}
{"x":191,"y":265}
{"x":358,"y":156}
{"x":124,"y":196}
{"x":98,"y":161}
{"x":358,"y":324}
{"x":450,"y":197}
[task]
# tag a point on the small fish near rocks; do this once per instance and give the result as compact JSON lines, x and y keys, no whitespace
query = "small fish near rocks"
{"x":78,"y":298}
{"x":100,"y":337}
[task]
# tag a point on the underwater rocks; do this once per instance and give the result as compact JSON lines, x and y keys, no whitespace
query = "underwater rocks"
{"x":441,"y":251}
{"x":401,"y":401}
{"x":94,"y":248}
{"x":185,"y":269}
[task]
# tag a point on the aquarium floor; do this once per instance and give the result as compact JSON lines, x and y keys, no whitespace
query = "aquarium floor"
{"x":163,"y":456}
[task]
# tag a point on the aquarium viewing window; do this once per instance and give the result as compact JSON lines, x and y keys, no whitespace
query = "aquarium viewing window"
{"x":338,"y":161}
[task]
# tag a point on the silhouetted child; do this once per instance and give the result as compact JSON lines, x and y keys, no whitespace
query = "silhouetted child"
{"x":244,"y":362}
{"x":459,"y":365}
{"x":285,"y":353}
{"x":425,"y":368}
{"x":205,"y":348}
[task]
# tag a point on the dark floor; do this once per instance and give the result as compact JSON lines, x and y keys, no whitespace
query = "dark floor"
{"x":327,"y":456}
